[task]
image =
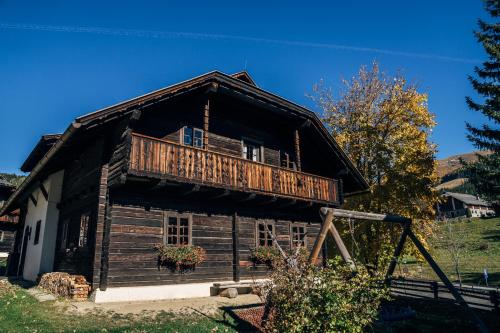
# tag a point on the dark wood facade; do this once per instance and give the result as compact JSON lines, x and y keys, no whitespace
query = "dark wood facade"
{"x":215,"y":150}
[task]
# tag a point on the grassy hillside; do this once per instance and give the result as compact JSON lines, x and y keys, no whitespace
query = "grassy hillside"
{"x":450,"y":164}
{"x":478,"y":243}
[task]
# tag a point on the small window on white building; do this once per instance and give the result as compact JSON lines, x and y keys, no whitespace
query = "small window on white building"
{"x":37,"y":232}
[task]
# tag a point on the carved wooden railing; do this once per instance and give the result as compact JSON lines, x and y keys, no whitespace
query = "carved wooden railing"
{"x":166,"y":159}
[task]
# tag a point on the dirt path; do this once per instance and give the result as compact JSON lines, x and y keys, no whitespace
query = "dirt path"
{"x":205,"y":305}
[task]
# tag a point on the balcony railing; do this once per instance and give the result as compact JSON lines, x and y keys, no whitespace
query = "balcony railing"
{"x":166,"y":159}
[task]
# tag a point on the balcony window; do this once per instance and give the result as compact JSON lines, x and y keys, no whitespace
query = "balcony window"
{"x":192,"y":137}
{"x":251,"y":151}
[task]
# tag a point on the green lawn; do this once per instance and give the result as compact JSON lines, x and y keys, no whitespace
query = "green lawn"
{"x":20,"y":312}
{"x":478,"y":241}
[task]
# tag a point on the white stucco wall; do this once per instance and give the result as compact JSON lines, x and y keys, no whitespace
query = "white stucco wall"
{"x":40,"y":257}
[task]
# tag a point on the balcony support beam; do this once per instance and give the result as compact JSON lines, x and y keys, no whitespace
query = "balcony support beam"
{"x":297,"y":150}
{"x":206,"y":119}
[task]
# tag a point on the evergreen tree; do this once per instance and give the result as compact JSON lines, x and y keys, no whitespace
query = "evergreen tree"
{"x":485,"y":174}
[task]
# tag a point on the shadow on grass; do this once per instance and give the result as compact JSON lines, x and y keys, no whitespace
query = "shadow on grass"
{"x":436,"y":316}
{"x":478,"y":279}
{"x":231,"y":319}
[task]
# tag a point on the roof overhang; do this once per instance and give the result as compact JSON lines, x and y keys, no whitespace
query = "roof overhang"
{"x":213,"y":81}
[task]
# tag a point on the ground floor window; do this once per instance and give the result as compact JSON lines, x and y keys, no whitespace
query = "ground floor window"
{"x":178,"y":229}
{"x":298,"y":235}
{"x":75,"y":231}
{"x":263,"y":238}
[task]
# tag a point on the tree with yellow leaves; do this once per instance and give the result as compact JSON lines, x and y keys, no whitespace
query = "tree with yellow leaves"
{"x":383,"y":123}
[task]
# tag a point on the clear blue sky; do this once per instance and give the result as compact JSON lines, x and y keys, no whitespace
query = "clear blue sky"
{"x":62,"y":59}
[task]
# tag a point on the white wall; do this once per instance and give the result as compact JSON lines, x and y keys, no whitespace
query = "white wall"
{"x":40,"y":257}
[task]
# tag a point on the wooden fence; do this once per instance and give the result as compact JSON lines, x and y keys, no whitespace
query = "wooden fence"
{"x":477,"y":297}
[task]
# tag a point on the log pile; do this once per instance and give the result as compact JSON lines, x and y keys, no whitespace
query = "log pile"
{"x":74,"y":287}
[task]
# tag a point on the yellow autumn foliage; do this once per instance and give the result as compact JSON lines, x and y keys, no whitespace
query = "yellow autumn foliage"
{"x":383,"y":123}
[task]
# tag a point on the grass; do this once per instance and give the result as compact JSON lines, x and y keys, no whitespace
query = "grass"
{"x":478,"y":240}
{"x":20,"y":312}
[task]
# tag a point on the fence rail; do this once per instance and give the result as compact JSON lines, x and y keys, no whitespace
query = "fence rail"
{"x":477,"y":297}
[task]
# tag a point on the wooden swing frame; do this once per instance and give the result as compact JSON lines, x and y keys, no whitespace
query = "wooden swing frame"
{"x":328,"y":214}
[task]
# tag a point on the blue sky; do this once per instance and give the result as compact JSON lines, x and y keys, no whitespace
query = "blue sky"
{"x":62,"y":59}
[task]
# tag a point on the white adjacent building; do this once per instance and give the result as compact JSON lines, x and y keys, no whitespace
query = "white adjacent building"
{"x":463,"y":205}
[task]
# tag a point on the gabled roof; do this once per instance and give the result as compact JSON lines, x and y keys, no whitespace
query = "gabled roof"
{"x":240,"y":85}
{"x":245,"y":77}
{"x":41,"y":148}
{"x":467,"y":198}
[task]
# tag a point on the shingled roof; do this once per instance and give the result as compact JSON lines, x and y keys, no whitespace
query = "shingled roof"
{"x":467,"y":198}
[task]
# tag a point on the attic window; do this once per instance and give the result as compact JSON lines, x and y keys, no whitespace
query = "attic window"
{"x":192,"y":136}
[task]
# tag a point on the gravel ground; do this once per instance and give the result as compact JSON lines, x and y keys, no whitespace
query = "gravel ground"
{"x":205,"y":305}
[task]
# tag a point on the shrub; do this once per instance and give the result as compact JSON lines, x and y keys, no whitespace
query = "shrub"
{"x":483,"y":246}
{"x":308,"y":298}
{"x":180,"y":257}
{"x":265,"y":255}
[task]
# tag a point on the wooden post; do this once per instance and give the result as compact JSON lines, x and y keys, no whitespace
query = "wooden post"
{"x":327,"y":221}
{"x":435,"y":289}
{"x":479,"y":323}
{"x":344,"y":253}
{"x":206,"y":118}
{"x":297,"y":150}
{"x":397,"y":252}
{"x":236,"y":251}
{"x":106,"y":238}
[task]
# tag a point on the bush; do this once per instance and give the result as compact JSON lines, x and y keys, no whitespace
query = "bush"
{"x":180,"y":257}
{"x":483,"y":246}
{"x":265,"y":255}
{"x":308,"y":298}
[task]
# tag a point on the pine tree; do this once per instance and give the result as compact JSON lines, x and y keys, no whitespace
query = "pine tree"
{"x":485,"y":174}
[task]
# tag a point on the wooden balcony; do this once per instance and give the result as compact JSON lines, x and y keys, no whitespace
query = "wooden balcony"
{"x":169,"y":160}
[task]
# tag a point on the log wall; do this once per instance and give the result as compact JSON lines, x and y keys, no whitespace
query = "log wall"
{"x":136,"y":229}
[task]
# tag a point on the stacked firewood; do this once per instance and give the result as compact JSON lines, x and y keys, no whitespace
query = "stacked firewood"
{"x":74,"y":287}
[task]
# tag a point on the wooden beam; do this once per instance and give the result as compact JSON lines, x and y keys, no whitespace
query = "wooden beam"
{"x":327,"y":221}
{"x":268,"y":202}
{"x":44,"y":192}
{"x":297,"y":150}
{"x":106,"y":239}
{"x":222,"y":194}
{"x":366,"y":216}
{"x":456,"y":294}
{"x":249,"y":197}
{"x":397,"y":252}
{"x":206,"y":118}
{"x":236,"y":248}
{"x":32,"y":198}
{"x":193,"y":189}
{"x":344,"y":253}
{"x":288,"y":203}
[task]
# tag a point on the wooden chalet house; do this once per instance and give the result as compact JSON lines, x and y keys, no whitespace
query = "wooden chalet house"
{"x":213,"y":162}
{"x":8,"y":222}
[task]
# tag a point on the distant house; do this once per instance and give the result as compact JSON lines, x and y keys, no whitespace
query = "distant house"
{"x":7,"y":222}
{"x":460,"y":204}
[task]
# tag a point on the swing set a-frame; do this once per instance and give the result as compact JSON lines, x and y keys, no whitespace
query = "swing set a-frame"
{"x":328,"y":215}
